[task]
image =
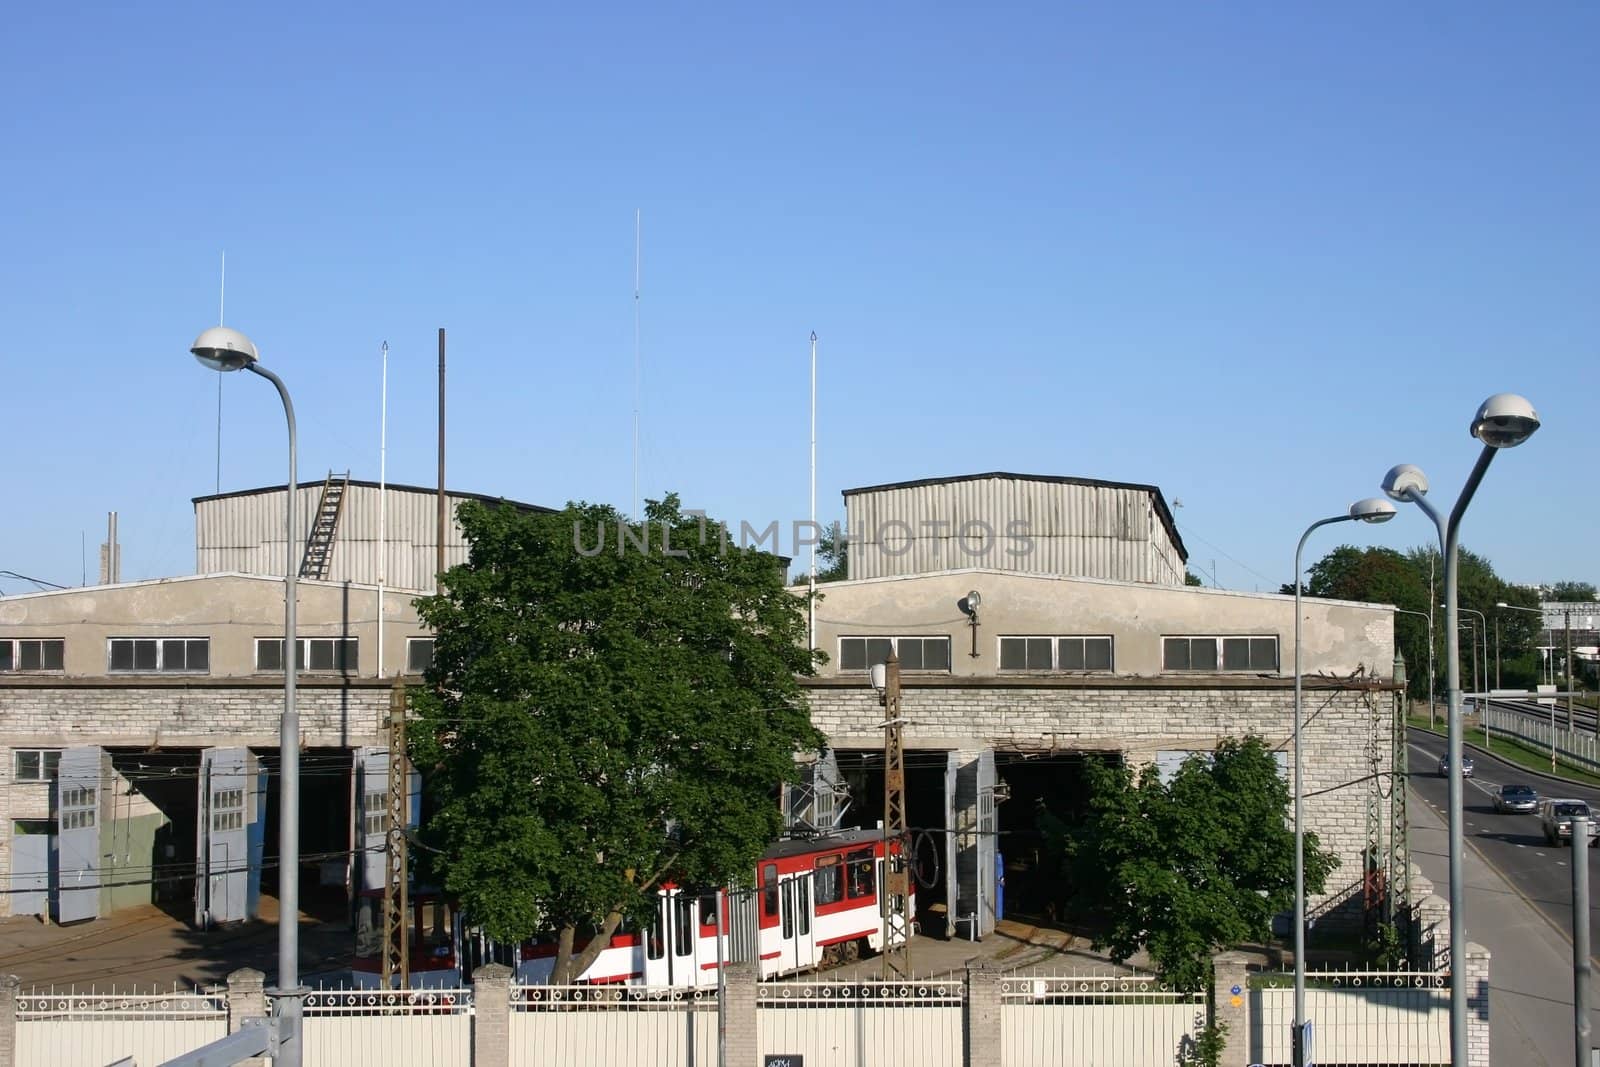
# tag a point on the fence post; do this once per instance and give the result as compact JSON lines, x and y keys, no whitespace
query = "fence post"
{"x":1230,"y":1007}
{"x":1477,"y":979}
{"x":981,"y":1030}
{"x":491,"y":1016}
{"x":10,"y":986}
{"x":739,"y":1011}
{"x":246,"y":1000}
{"x":1433,"y":925}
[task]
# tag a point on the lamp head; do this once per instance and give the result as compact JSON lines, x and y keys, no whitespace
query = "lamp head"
{"x":223,"y":349}
{"x":878,"y":674}
{"x":1505,"y":420}
{"x":1373,"y":509}
{"x":969,"y":604}
{"x":1405,"y":482}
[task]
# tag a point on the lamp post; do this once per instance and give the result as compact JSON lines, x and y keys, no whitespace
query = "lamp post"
{"x":1505,"y":420}
{"x":1536,"y":611}
{"x":1429,"y":616}
{"x":1483,"y":631}
{"x":223,"y":349}
{"x":1373,"y":509}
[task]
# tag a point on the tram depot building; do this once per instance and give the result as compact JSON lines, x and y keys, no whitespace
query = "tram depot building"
{"x":139,"y":721}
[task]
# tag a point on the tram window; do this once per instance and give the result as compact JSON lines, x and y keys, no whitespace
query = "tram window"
{"x":830,"y":881}
{"x":433,"y":926}
{"x":861,"y":871}
{"x":769,"y":889}
{"x":682,"y":925}
{"x":802,"y":896}
{"x":654,"y":945}
{"x":788,"y":911}
{"x":708,"y":911}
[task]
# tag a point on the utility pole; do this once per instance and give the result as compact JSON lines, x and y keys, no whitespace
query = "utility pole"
{"x":1581,"y":968}
{"x":396,"y":906}
{"x":1566,"y":618}
{"x":896,"y":868}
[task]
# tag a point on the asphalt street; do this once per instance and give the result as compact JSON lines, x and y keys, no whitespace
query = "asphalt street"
{"x":1512,"y":843}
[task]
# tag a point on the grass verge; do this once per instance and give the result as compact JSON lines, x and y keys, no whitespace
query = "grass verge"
{"x":1513,"y":752}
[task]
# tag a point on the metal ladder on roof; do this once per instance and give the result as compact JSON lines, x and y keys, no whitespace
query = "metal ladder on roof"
{"x":324,"y":527}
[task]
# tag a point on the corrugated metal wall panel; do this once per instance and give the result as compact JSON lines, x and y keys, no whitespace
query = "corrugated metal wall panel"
{"x":1100,"y":531}
{"x":245,"y":533}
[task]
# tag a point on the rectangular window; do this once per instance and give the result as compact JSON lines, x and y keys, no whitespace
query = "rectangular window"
{"x":419,"y":654}
{"x":375,"y":814}
{"x":227,"y":809}
{"x":160,"y":655}
{"x":34,"y":764}
{"x":830,"y":881}
{"x":861,"y":871}
{"x":655,"y":945}
{"x":682,"y":925}
{"x":337,"y":654}
{"x":32,"y":654}
{"x":769,"y":889}
{"x":1242,"y":653}
{"x":1055,"y":653}
{"x":916,"y":653}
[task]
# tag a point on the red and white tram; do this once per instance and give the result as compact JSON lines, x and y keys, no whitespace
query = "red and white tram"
{"x":817,"y":902}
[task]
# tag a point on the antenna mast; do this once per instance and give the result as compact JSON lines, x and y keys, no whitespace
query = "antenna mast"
{"x":637,"y":228}
{"x":222,"y":307}
{"x":383,"y":496}
{"x":811,"y":600}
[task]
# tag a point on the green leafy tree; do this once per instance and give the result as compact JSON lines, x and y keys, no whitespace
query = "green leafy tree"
{"x":1571,"y":592}
{"x":1186,"y":868}
{"x":1191,"y":578}
{"x":601,"y":717}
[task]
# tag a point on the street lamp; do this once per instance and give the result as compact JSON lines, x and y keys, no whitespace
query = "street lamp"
{"x":1539,"y":612}
{"x":1429,"y":616}
{"x":223,"y":349}
{"x":1505,"y":420}
{"x":1482,"y":630}
{"x":1372,"y":509}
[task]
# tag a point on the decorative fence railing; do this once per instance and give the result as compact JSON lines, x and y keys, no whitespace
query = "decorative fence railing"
{"x":1357,"y":1017}
{"x":1132,"y":1020}
{"x":556,"y":1026}
{"x":94,"y":1029}
{"x":420,"y":1027}
{"x":1575,"y":748}
{"x":859,"y":1024}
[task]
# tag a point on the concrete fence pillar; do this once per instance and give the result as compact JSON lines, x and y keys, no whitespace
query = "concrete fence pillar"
{"x":1477,"y":1005}
{"x":10,"y":989}
{"x":491,"y":1016}
{"x":1433,"y":928}
{"x":982,"y":1034}
{"x":247,"y":999}
{"x":1230,"y":1007}
{"x":739,"y":1015}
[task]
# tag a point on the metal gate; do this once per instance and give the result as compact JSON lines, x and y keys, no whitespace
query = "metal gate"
{"x":31,"y":845}
{"x":78,"y":834}
{"x":230,"y":836}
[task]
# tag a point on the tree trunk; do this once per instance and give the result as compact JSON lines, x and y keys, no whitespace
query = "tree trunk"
{"x":568,"y":966}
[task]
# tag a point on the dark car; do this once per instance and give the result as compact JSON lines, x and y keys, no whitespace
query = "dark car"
{"x":1516,"y":798}
{"x":1466,"y":766}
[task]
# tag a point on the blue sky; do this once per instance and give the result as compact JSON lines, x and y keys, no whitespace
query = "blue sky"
{"x":1252,"y":253}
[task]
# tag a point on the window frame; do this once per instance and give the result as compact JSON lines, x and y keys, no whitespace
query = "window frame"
{"x":1220,"y":646}
{"x":305,"y":655}
{"x":1055,"y":653}
{"x":894,"y":644}
{"x":413,"y":642}
{"x":160,"y":648}
{"x":44,"y":773}
{"x":13,"y":661}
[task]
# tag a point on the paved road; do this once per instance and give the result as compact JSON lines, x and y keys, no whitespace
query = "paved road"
{"x":1530,"y":967}
{"x":1512,"y":843}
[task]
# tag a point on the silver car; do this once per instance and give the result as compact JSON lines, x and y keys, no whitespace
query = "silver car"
{"x":1556,"y":815}
{"x":1516,"y":798}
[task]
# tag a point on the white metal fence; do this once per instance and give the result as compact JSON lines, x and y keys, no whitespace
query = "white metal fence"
{"x":94,"y":1029}
{"x":1131,"y":1021}
{"x":1574,"y":748}
{"x":862,"y":1024}
{"x":420,"y":1028}
{"x":1357,"y":1017}
{"x":576,"y":1026}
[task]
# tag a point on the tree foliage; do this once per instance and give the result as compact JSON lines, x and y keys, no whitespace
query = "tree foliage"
{"x":597,"y":721}
{"x":1186,"y":868}
{"x":1570,"y":592}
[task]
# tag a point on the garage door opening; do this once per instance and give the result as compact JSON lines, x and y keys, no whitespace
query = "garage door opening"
{"x":152,"y":830}
{"x":1039,"y":781}
{"x":862,"y":772}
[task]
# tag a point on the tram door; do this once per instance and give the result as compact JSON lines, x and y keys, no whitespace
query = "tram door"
{"x":669,"y":945}
{"x":798,"y":948}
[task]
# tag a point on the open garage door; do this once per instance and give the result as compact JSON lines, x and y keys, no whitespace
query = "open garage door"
{"x":78,"y":834}
{"x":952,"y":883}
{"x":230,"y":836}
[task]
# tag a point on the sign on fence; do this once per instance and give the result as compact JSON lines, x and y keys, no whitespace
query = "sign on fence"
{"x":783,"y":1059}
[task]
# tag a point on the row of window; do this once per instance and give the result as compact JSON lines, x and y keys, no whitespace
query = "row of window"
{"x":192,"y":655}
{"x":1076,"y":652}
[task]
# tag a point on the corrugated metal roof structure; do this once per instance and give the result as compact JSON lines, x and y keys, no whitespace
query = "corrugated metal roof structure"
{"x":1034,"y":524}
{"x":243,"y":532}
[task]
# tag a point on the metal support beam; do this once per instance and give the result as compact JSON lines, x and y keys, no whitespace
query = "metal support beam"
{"x":396,"y":906}
{"x":254,"y":1039}
{"x":896,"y":832}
